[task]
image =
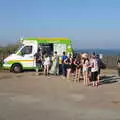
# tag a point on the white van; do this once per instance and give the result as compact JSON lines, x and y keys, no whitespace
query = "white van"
{"x":23,"y":58}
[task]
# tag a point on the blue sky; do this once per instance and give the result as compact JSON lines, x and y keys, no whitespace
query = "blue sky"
{"x":88,"y":23}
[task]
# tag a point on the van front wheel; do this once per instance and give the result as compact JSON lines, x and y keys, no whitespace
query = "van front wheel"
{"x":16,"y":68}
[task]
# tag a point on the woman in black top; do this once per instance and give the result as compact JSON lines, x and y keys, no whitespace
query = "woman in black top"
{"x":78,"y":65}
{"x":68,"y":63}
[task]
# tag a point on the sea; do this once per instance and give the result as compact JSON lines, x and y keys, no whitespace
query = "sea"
{"x":105,"y":52}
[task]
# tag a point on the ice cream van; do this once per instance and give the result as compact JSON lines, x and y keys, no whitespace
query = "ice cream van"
{"x":23,"y":58}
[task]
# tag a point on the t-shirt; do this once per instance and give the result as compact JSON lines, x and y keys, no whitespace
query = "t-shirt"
{"x":63,"y":58}
{"x":38,"y":58}
{"x":94,"y":65}
{"x":47,"y":61}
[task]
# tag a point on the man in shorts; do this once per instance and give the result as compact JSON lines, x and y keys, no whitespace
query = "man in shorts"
{"x":64,"y":56}
{"x":38,"y":60}
{"x":94,"y":70}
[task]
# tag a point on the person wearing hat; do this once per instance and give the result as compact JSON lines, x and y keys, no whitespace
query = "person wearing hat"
{"x":85,"y":64}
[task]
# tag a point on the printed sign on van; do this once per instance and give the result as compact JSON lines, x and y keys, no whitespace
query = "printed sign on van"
{"x":60,"y":48}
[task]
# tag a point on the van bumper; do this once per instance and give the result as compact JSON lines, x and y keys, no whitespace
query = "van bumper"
{"x":6,"y":66}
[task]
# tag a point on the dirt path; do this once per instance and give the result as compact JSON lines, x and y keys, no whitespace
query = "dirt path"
{"x":28,"y":97}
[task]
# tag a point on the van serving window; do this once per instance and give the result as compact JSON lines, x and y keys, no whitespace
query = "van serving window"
{"x":46,"y":47}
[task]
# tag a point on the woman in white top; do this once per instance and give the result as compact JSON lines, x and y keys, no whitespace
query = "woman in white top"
{"x":55,"y":65}
{"x":46,"y":64}
{"x":85,"y":64}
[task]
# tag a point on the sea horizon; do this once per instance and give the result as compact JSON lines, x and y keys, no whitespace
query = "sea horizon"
{"x":106,"y":52}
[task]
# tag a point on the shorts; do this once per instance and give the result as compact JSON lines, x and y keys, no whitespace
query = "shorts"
{"x":85,"y":70}
{"x":38,"y":65}
{"x":45,"y":64}
{"x":94,"y":76}
{"x":68,"y":66}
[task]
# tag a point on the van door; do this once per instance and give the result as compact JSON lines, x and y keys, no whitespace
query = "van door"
{"x":27,"y":56}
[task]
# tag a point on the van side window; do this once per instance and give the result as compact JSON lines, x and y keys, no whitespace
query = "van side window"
{"x":27,"y":50}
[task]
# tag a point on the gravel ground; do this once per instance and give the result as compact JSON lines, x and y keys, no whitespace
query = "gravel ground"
{"x":25,"y":96}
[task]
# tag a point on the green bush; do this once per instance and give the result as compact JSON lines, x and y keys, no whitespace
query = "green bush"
{"x":0,"y":65}
{"x":7,"y":50}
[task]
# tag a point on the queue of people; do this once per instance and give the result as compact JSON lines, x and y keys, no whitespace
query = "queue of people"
{"x":78,"y":67}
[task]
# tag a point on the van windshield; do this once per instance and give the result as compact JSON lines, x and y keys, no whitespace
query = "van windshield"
{"x":19,"y":48}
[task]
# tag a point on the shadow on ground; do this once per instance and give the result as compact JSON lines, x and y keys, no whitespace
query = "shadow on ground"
{"x":109,"y":79}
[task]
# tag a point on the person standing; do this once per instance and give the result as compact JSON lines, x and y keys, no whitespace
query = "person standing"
{"x":64,"y":56}
{"x":99,"y":67}
{"x":55,"y":65}
{"x":118,"y":67}
{"x":78,"y":66}
{"x":38,"y":60}
{"x":46,"y":64}
{"x":85,"y":64}
{"x":68,"y":62}
{"x":94,"y":70}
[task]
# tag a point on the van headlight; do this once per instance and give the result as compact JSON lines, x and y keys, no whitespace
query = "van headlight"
{"x":4,"y":61}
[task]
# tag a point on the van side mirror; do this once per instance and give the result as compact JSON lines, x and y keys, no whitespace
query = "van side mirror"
{"x":21,"y":53}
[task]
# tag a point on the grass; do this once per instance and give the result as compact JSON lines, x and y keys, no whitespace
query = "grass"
{"x":1,"y":65}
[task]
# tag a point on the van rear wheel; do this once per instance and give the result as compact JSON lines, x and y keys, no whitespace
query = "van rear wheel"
{"x":16,"y":68}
